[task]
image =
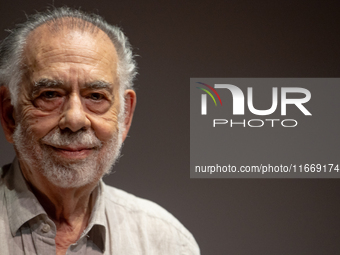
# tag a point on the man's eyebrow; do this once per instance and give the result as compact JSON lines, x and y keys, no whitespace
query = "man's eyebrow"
{"x":99,"y":85}
{"x":51,"y":83}
{"x":45,"y":83}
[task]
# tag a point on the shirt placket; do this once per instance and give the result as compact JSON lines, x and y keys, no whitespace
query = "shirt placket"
{"x":43,"y":234}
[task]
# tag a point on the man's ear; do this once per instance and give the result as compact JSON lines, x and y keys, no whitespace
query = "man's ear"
{"x":130,"y":104}
{"x":7,"y":113}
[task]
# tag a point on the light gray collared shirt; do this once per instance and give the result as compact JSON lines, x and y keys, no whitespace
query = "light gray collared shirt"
{"x":120,"y":223}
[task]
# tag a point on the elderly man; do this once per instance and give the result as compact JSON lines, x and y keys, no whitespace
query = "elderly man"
{"x":66,"y":105}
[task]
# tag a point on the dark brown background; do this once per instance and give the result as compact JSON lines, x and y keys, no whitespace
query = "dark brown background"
{"x":176,"y":40}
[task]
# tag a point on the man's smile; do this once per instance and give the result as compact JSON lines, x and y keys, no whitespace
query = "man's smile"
{"x":69,"y":152}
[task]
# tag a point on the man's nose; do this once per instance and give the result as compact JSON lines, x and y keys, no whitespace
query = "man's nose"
{"x":73,"y":115}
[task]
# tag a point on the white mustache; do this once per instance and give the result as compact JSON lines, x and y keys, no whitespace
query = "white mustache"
{"x":83,"y":138}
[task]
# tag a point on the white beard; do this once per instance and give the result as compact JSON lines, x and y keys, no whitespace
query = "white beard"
{"x":66,"y":173}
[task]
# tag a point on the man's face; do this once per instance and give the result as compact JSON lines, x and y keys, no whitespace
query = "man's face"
{"x":69,"y":114}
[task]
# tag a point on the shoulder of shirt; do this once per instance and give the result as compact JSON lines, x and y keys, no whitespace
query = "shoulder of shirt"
{"x":145,"y":208}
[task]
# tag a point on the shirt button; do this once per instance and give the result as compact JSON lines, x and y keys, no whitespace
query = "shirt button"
{"x":45,"y":228}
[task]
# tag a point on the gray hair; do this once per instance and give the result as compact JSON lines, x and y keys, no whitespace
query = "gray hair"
{"x":12,"y":47}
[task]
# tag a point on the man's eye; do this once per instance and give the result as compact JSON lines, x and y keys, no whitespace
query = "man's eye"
{"x":49,"y":94}
{"x":96,"y":96}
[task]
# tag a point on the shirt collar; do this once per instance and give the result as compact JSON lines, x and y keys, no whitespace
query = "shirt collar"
{"x":22,"y":206}
{"x":96,"y":229}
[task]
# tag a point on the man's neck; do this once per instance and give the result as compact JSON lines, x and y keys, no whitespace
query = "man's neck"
{"x":64,"y":205}
{"x":69,"y":208}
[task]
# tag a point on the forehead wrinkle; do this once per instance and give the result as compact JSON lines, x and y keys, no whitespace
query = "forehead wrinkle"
{"x":42,"y":40}
{"x":44,"y":55}
{"x":70,"y":55}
